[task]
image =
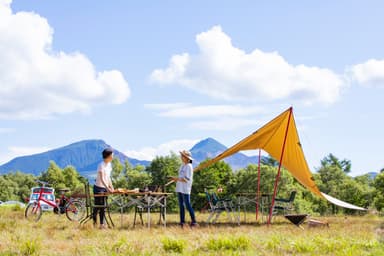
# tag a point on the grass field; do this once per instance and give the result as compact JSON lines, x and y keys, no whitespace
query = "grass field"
{"x":55,"y":235}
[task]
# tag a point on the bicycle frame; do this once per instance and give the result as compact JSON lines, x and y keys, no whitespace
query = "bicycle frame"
{"x":74,"y":209}
{"x":42,"y":199}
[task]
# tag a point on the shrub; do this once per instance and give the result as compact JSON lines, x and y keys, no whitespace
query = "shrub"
{"x":173,"y":245}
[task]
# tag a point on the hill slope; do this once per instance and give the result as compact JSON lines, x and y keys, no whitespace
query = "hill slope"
{"x":210,"y":148}
{"x":84,"y":155}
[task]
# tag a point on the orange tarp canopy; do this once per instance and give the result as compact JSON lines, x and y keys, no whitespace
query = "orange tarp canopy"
{"x":271,"y":138}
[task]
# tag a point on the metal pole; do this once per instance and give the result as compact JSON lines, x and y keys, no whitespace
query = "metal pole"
{"x":258,"y":187}
{"x":279,"y":170}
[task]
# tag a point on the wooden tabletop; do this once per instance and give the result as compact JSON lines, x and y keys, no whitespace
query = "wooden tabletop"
{"x":141,"y":193}
{"x":252,"y":194}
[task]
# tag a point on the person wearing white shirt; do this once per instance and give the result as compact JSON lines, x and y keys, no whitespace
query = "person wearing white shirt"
{"x":103,"y":185}
{"x":184,"y":187}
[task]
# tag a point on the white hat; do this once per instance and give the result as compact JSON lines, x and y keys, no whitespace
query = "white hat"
{"x":187,"y":154}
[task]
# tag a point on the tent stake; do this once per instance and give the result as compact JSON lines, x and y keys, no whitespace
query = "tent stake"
{"x":279,"y":170}
{"x":258,"y":187}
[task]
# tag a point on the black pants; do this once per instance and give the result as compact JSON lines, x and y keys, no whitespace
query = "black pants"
{"x":99,"y":201}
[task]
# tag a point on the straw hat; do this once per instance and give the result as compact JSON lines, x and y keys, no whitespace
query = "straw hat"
{"x":187,"y":154}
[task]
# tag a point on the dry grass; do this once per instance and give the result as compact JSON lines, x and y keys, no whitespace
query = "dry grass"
{"x":55,"y":235}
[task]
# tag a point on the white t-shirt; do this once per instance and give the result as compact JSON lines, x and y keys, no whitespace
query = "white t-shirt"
{"x":185,"y":172}
{"x":104,"y":174}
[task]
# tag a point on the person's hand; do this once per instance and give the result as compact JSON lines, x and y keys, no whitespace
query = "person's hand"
{"x":175,"y":179}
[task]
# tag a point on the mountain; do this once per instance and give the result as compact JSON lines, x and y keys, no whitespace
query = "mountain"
{"x":372,"y":175}
{"x":84,"y":155}
{"x":210,"y":148}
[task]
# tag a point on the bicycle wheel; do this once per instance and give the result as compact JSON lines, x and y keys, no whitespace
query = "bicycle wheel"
{"x":75,"y":210}
{"x":33,"y":212}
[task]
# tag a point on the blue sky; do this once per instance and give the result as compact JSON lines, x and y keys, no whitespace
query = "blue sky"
{"x":153,"y":76}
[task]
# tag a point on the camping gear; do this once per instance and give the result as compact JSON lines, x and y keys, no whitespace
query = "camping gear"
{"x":280,"y":139}
{"x":217,"y":206}
{"x":296,"y":219}
{"x":317,"y":223}
{"x":284,"y":205}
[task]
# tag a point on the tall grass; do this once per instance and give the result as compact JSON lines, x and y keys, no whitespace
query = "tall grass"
{"x":173,"y":245}
{"x":228,"y":243}
{"x":55,"y":235}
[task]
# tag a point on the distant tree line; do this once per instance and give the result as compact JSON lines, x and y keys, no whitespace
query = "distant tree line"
{"x":331,"y":177}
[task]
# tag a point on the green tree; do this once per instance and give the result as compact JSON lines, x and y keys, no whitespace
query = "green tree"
{"x":126,"y":176}
{"x":162,"y":167}
{"x":54,"y":175}
{"x":118,"y":175}
{"x":159,"y":170}
{"x":368,"y":190}
{"x":71,"y":178}
{"x":16,"y":186}
{"x":332,"y":179}
{"x":269,"y":161}
{"x":138,"y":177}
{"x":331,"y":160}
{"x":246,"y":180}
{"x":62,"y":178}
{"x":379,"y":191}
{"x":217,"y":175}
{"x":8,"y":189}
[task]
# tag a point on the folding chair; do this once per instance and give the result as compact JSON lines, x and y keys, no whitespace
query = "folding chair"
{"x":217,"y":206}
{"x":284,"y":205}
{"x":90,"y":205}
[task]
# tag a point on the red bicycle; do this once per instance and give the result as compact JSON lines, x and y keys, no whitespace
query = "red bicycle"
{"x":74,"y":209}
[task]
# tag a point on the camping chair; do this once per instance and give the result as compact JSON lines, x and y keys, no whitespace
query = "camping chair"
{"x":217,"y":206}
{"x":284,"y":205}
{"x":228,"y":204}
{"x":91,"y":206}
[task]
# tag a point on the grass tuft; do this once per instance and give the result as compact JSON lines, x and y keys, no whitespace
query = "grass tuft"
{"x":30,"y":247}
{"x":173,"y":245}
{"x":228,"y":243}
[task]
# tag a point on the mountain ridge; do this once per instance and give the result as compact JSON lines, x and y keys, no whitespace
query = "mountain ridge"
{"x":84,"y":155}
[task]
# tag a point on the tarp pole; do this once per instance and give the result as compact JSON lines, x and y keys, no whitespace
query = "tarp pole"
{"x":279,"y":170}
{"x":258,"y":187}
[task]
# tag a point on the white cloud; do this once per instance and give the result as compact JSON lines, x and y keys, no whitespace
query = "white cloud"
{"x":369,"y":73}
{"x":38,"y":82}
{"x":212,"y":117}
{"x":149,"y":153}
{"x":185,"y":110}
{"x":166,"y":106}
{"x":225,"y":124}
{"x":223,"y":71}
{"x":16,"y":151}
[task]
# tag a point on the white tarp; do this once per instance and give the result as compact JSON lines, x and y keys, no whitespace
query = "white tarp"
{"x":342,"y":203}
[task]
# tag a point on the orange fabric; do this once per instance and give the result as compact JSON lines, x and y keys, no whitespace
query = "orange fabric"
{"x":270,"y":138}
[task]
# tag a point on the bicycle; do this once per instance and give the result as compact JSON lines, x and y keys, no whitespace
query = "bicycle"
{"x":74,"y":209}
